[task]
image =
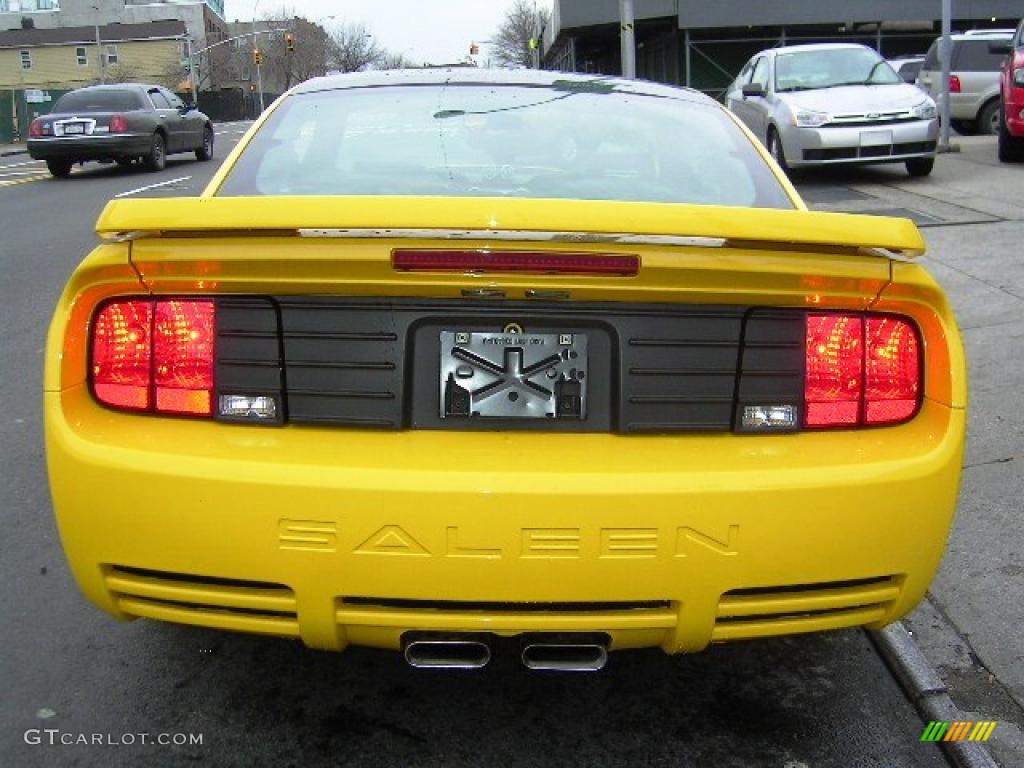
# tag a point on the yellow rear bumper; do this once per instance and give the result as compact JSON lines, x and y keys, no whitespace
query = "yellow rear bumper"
{"x":340,"y":537}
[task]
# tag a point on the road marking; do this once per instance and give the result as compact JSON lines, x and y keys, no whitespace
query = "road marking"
{"x":15,"y":182}
{"x":4,"y":172}
{"x":19,"y":165}
{"x":152,"y":186}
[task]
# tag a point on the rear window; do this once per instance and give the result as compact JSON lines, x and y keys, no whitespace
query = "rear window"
{"x":974,"y":56}
{"x":98,"y":101}
{"x":931,"y":59}
{"x":570,"y":139}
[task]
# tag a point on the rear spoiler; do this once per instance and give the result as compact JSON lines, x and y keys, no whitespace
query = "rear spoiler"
{"x":569,"y":221}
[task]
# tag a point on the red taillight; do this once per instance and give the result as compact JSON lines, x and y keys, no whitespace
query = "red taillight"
{"x":892,"y":371}
{"x":860,"y":370}
{"x":515,"y":261}
{"x":154,"y":355}
{"x":954,"y":84}
{"x":118,"y":124}
{"x":183,"y":356}
{"x":35,"y":128}
{"x":122,"y":349}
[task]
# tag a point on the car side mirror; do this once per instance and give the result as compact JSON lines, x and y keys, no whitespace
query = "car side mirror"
{"x":753,"y":89}
{"x":999,"y":47}
{"x":186,"y":108}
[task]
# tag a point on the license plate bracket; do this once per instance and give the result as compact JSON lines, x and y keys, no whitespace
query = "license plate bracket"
{"x":496,"y":374}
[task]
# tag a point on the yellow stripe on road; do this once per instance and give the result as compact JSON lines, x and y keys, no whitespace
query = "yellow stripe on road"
{"x":26,"y":180}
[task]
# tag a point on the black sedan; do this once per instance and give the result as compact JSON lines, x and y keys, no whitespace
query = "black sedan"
{"x":122,"y":123}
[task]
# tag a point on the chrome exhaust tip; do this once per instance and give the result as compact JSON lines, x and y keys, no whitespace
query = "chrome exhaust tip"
{"x":565,"y":653}
{"x":441,"y":652}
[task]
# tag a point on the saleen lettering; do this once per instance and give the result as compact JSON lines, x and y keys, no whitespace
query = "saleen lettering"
{"x":558,"y":543}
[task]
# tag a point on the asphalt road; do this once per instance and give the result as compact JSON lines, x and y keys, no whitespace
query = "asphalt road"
{"x":823,"y":700}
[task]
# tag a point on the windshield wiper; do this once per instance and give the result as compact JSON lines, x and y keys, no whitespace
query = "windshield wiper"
{"x":798,"y":88}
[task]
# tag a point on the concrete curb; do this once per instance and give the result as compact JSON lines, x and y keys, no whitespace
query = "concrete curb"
{"x":9,"y":152}
{"x":927,"y":692}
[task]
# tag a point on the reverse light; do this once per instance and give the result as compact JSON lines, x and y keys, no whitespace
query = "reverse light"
{"x":1018,"y":76}
{"x":767,"y":418}
{"x":119,"y":124}
{"x":954,"y":84}
{"x":154,"y":355}
{"x":247,"y":407}
{"x":860,"y":370}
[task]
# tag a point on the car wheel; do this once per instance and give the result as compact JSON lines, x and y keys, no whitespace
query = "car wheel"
{"x":776,"y":150}
{"x":156,"y":160}
{"x":59,"y":168}
{"x":205,"y":152}
{"x":988,"y":119}
{"x":963,"y":127}
{"x":1011,"y":148}
{"x":920,"y":166}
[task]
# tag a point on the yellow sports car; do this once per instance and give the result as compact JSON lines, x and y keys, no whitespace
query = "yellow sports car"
{"x":452,"y":362}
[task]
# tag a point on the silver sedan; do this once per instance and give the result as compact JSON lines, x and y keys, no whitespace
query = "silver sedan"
{"x":834,"y":103}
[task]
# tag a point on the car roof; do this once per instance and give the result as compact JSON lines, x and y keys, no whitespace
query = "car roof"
{"x":474,"y":75}
{"x":983,"y":34}
{"x":817,"y":47}
{"x":116,"y":87}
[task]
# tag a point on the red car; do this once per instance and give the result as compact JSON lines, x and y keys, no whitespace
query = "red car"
{"x":1011,"y":98}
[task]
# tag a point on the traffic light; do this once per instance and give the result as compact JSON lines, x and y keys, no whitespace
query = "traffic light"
{"x":257,"y":56}
{"x":289,"y":41}
{"x":474,"y":49}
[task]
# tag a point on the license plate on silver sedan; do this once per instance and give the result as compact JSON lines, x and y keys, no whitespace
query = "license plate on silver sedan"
{"x":875,"y":138}
{"x":513,"y":375}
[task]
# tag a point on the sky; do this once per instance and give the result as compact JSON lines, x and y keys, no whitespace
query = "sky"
{"x":425,"y":31}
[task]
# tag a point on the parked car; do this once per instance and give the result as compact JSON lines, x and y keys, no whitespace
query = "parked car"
{"x":907,"y":67}
{"x":973,"y":80}
{"x":126,"y":122}
{"x":1011,"y":97}
{"x":834,"y":103}
{"x":405,"y":376}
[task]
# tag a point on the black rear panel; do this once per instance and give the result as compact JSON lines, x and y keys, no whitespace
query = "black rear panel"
{"x":375,"y":363}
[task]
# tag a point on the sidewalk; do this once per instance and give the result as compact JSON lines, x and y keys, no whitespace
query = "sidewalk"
{"x":970,"y":625}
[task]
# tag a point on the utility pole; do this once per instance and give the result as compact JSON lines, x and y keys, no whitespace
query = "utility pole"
{"x":99,"y":49}
{"x":945,"y":52}
{"x":627,"y":39}
{"x":192,"y":84}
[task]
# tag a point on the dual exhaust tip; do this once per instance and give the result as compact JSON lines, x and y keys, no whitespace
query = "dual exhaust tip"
{"x":562,"y":652}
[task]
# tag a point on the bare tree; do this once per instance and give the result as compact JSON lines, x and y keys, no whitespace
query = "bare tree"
{"x":308,"y":57}
{"x":511,"y":43}
{"x":351,"y":48}
{"x":389,"y":60}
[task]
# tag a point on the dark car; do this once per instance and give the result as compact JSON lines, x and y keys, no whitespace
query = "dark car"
{"x":122,"y":123}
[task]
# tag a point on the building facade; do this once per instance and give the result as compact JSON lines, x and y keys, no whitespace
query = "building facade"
{"x":203,"y":22}
{"x":68,"y":57}
{"x":703,"y":45}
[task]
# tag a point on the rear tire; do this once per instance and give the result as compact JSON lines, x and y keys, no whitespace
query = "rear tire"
{"x":988,"y":119}
{"x":920,"y":166}
{"x":205,"y":152}
{"x":156,"y":160}
{"x":776,"y":150}
{"x":59,"y":168}
{"x":1011,"y":148}
{"x":963,"y":127}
